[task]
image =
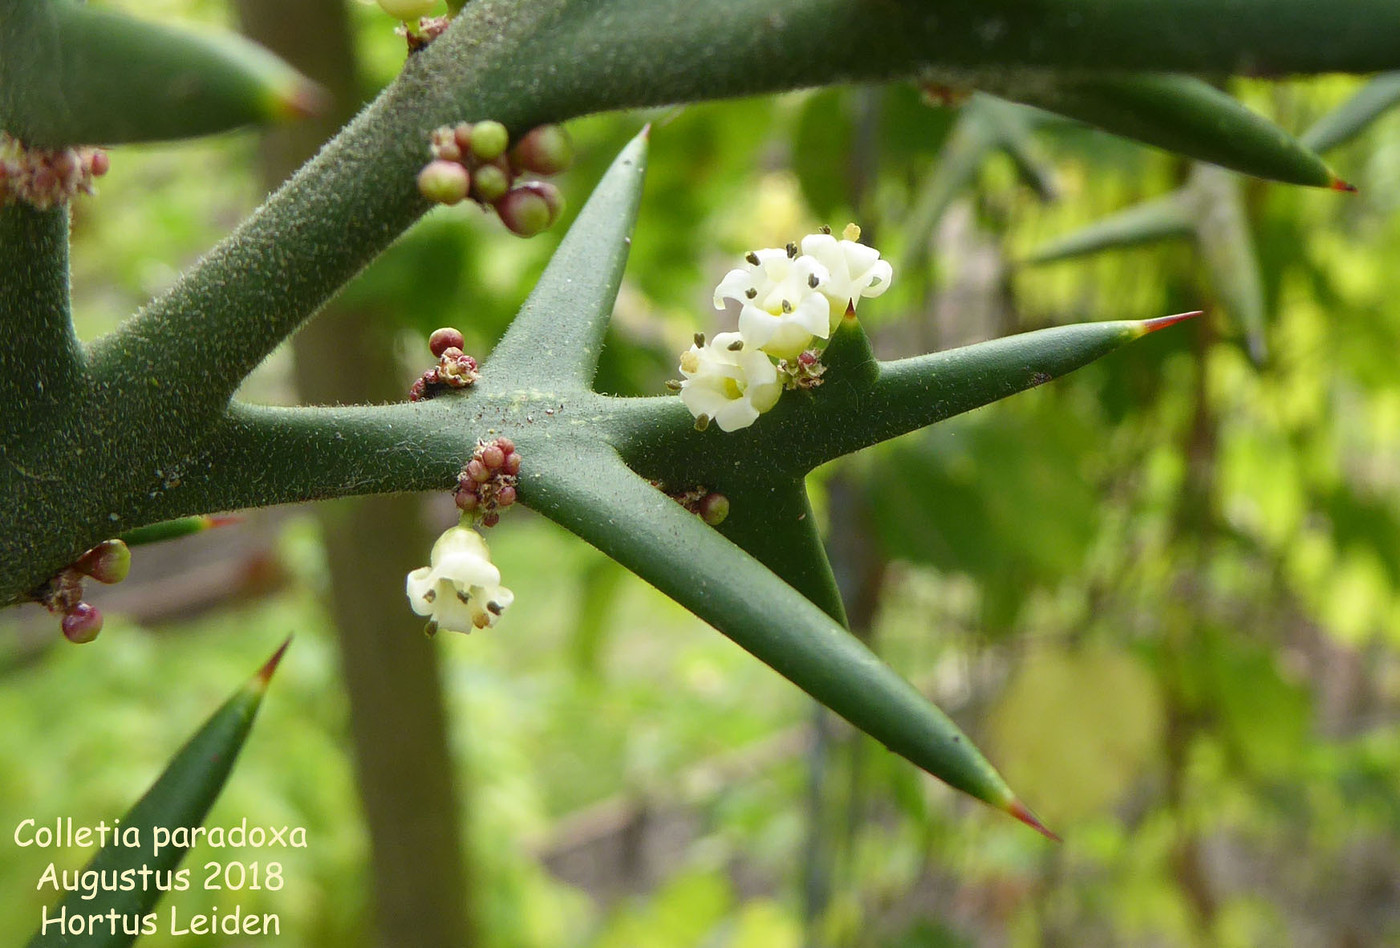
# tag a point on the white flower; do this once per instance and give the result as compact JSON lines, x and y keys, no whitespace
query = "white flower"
{"x":729,"y":381}
{"x":781,"y":307}
{"x":461,"y":590}
{"x":855,"y":270}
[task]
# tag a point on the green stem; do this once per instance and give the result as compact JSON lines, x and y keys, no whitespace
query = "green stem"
{"x":774,"y":522}
{"x":41,"y":359}
{"x":334,"y":452}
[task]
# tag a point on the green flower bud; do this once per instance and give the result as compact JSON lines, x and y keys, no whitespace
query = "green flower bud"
{"x":445,"y":182}
{"x":489,"y":140}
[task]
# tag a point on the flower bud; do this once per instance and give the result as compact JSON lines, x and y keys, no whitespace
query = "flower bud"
{"x":505,"y":496}
{"x":491,"y":184}
{"x":477,"y":471}
{"x":82,"y":623}
{"x":445,"y":182}
{"x":447,"y":151}
{"x":552,"y":196}
{"x":98,"y":163}
{"x":445,"y":338}
{"x":108,"y":562}
{"x":714,"y":508}
{"x":463,"y":136}
{"x":512,"y":464}
{"x":489,"y":140}
{"x":493,"y":457}
{"x":524,"y":212}
{"x":544,"y":150}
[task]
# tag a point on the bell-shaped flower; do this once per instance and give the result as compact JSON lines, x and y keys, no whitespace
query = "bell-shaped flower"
{"x":461,"y":590}
{"x":855,"y":270}
{"x":781,"y":306}
{"x":728,"y":381}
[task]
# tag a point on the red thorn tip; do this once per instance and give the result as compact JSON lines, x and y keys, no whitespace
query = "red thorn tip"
{"x":1018,"y":809}
{"x":645,"y":133}
{"x":851,"y":310}
{"x":264,"y":674}
{"x":303,"y":100}
{"x":1339,"y":185}
{"x":221,"y":520}
{"x":1162,"y":322}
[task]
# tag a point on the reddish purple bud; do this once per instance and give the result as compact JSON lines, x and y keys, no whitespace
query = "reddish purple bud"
{"x":544,"y":150}
{"x":477,"y":471}
{"x":512,"y":463}
{"x":808,"y":357}
{"x":417,"y":390}
{"x":490,"y":519}
{"x":713,"y":509}
{"x":467,"y":501}
{"x":98,"y":163}
{"x":505,"y":444}
{"x":445,"y":338}
{"x":462,"y":134}
{"x":108,"y":562}
{"x":505,"y":496}
{"x":445,"y":182}
{"x":524,"y":212}
{"x":82,"y":623}
{"x":492,"y":456}
{"x":64,"y":163}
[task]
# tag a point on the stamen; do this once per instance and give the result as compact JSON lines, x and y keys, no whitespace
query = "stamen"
{"x":751,"y":293}
{"x":736,"y":345}
{"x":700,"y":339}
{"x":792,"y":250}
{"x":752,"y":258}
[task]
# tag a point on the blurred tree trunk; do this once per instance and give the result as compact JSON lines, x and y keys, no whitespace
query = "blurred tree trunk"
{"x":404,"y":768}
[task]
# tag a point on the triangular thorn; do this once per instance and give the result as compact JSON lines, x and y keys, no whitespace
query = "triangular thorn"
{"x":1162,"y":322}
{"x":1337,"y":184}
{"x":1018,"y":809}
{"x":264,"y":674}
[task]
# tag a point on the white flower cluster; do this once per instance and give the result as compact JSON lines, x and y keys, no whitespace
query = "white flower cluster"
{"x":788,"y":299}
{"x":461,"y":590}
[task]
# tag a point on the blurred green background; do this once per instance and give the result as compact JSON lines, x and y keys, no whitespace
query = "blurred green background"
{"x":1162,"y":594}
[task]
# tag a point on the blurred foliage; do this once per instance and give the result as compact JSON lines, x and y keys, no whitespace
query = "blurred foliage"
{"x":1164,"y":592}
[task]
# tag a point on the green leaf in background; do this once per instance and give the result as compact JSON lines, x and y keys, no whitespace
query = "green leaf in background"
{"x":824,"y":129}
{"x":1163,"y":218}
{"x":1053,"y":726}
{"x":1355,"y":115}
{"x":180,"y":797}
{"x":985,"y":125}
{"x":74,"y":74}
